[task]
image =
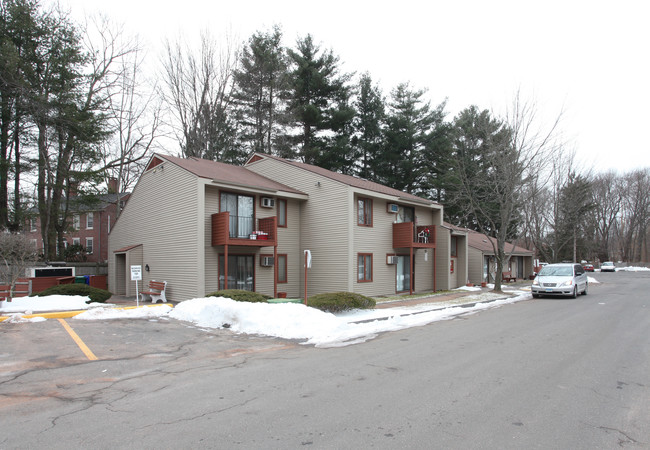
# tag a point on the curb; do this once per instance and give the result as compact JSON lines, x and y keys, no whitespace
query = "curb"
{"x":68,"y":314}
{"x":462,"y":305}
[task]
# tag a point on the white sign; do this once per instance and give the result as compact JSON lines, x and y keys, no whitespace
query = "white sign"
{"x":136,"y":273}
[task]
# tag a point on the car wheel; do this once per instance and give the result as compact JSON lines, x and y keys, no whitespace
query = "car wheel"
{"x":586,"y":289}
{"x":575,"y":292}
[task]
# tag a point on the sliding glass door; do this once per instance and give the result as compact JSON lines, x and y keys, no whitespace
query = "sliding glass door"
{"x":241,"y":209}
{"x":241,"y":273}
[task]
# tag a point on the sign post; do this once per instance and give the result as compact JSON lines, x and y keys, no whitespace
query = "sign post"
{"x":136,"y":275}
{"x":307,"y":266}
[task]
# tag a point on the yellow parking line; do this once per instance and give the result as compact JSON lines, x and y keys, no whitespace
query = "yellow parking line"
{"x":84,"y":348}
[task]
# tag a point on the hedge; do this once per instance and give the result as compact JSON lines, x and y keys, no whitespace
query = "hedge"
{"x":340,"y":301}
{"x":241,"y":295}
{"x":95,"y":294}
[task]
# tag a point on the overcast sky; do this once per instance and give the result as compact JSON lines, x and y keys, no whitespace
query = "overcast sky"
{"x":586,"y":58}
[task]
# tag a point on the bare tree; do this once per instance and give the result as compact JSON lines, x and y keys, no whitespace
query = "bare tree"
{"x":496,"y":181}
{"x":607,"y":196}
{"x":634,"y":216}
{"x":198,"y":88}
{"x":17,"y":254}
{"x":135,"y":117}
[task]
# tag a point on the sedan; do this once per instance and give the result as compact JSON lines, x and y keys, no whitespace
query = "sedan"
{"x":588,"y":267}
{"x":608,"y":267}
{"x":561,"y":279}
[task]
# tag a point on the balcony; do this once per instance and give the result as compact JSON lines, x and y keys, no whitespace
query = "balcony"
{"x":235,"y":230}
{"x":408,"y":235}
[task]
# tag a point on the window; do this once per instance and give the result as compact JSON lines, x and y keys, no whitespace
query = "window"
{"x":282,"y":213}
{"x":32,"y":224}
{"x":89,"y":245}
{"x":76,"y":241}
{"x":76,"y":222}
{"x":364,"y":212}
{"x":241,"y":272}
{"x":365,"y":267}
{"x":282,"y":268}
{"x":242,"y":210}
{"x":454,"y":246}
{"x":405,"y":214}
{"x":89,"y":221}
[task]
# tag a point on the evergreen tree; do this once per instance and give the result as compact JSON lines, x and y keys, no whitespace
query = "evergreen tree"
{"x":261,"y":91}
{"x":411,"y":123}
{"x":368,"y":123}
{"x":320,"y":108}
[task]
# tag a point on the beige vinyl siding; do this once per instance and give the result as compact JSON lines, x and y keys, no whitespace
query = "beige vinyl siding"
{"x":475,"y":265}
{"x":423,"y":270}
{"x":442,"y":259}
{"x":163,"y":215}
{"x":211,"y":266}
{"x":289,"y":244}
{"x":377,"y":240}
{"x":324,"y":226}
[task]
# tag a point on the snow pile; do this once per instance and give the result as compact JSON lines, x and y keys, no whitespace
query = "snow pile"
{"x":592,"y":280}
{"x":468,"y":288}
{"x":47,"y":303}
{"x":632,"y":269}
{"x":18,"y":318}
{"x":291,"y":320}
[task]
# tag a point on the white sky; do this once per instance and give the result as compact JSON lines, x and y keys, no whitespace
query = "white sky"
{"x":588,"y":58}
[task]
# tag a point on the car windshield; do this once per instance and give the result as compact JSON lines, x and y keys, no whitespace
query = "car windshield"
{"x":608,"y":264}
{"x":556,"y":271}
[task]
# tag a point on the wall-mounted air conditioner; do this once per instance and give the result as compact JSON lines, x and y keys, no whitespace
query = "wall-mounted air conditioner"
{"x":268,"y":202}
{"x":391,"y":259}
{"x":266,"y":261}
{"x":392,"y":208}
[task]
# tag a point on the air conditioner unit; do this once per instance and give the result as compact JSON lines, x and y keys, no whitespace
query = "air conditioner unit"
{"x":268,"y":202}
{"x":391,"y":259}
{"x":392,"y":208}
{"x":266,"y":261}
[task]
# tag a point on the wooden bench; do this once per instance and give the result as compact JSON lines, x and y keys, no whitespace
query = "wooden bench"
{"x":22,"y":289}
{"x":508,"y":278}
{"x":156,"y":291}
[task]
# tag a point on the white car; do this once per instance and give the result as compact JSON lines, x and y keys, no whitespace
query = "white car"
{"x":561,"y":279}
{"x":608,"y":267}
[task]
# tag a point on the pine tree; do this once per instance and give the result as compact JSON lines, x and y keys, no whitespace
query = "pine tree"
{"x":410,"y":130}
{"x":261,"y":91}
{"x":320,"y":108}
{"x":368,"y":123}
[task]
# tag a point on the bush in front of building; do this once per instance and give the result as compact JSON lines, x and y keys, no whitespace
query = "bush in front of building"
{"x":241,"y":295}
{"x":340,"y":301}
{"x":96,"y":295}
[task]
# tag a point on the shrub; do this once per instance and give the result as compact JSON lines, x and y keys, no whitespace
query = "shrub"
{"x":95,"y":294}
{"x":340,"y":301}
{"x":241,"y":295}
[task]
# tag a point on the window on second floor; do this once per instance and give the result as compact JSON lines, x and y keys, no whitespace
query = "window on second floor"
{"x":76,"y":221}
{"x":89,"y":221}
{"x":364,"y":212}
{"x":282,"y":213}
{"x":32,"y":224}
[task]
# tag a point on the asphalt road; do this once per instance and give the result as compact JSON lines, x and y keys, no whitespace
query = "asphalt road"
{"x":547,"y":373}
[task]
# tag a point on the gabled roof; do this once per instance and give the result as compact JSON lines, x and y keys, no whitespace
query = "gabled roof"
{"x":224,"y":173}
{"x":483,"y":243}
{"x":349,"y":180}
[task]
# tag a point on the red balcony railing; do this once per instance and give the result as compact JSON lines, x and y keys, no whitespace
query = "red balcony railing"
{"x":234,"y":230}
{"x":407,"y":235}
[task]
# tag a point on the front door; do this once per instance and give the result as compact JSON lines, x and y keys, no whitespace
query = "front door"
{"x":403,"y":271}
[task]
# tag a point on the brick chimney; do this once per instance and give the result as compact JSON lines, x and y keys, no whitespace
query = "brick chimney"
{"x":112,"y":185}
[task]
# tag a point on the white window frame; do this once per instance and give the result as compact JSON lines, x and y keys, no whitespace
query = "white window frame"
{"x":90,"y":220}
{"x":89,"y":248}
{"x":32,"y":224}
{"x":76,"y":241}
{"x":76,"y":221}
